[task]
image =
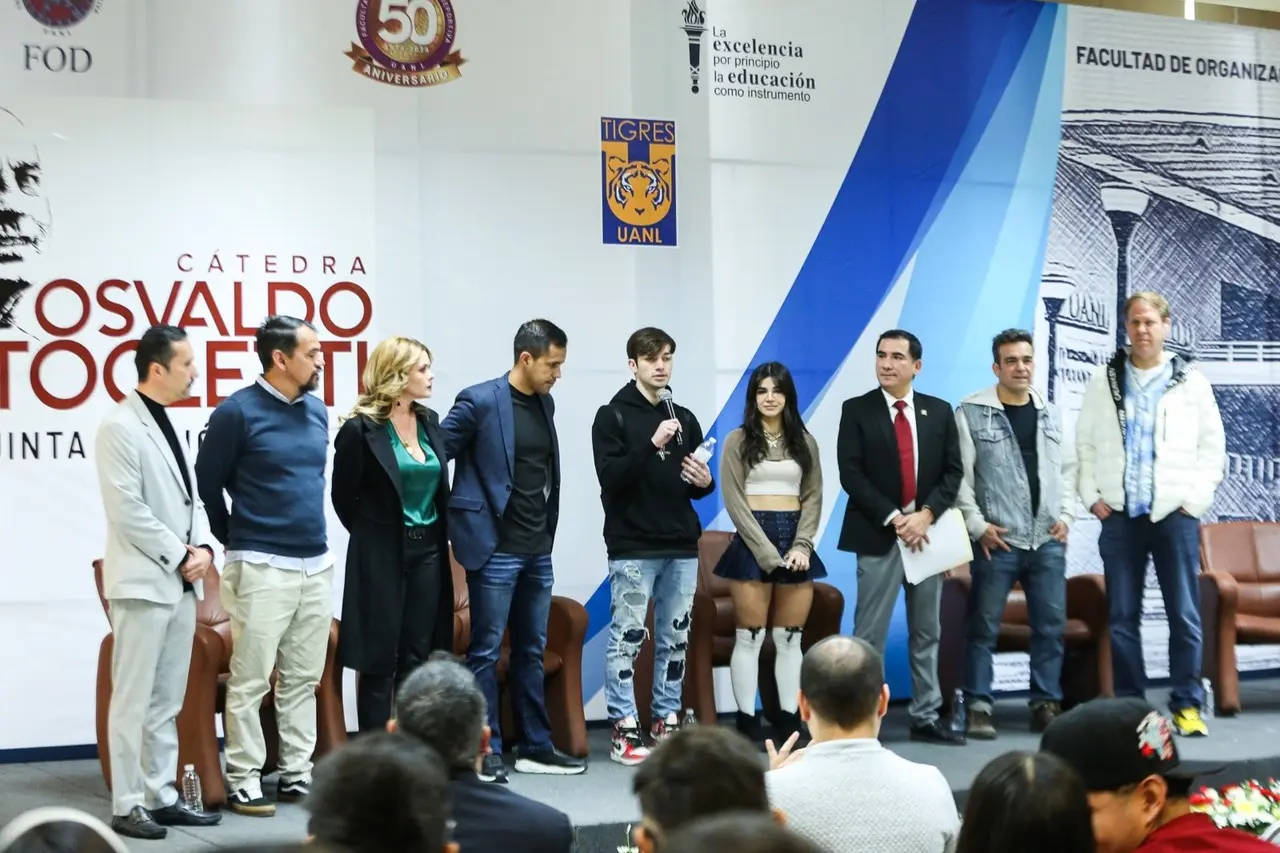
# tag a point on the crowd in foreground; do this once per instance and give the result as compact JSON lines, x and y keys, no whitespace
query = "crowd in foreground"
{"x":1107,"y":778}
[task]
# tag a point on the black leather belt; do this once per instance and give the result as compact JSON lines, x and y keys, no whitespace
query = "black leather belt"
{"x":416,"y":533}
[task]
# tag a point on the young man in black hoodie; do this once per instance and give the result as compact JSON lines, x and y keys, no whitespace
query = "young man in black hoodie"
{"x":648,"y":482}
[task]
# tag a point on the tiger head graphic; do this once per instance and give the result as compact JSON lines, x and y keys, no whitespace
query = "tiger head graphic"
{"x":639,"y":192}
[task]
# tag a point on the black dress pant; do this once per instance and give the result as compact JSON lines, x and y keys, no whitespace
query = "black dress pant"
{"x":423,"y":582}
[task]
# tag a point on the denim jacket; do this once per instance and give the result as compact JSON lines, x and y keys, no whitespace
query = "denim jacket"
{"x":995,"y":488}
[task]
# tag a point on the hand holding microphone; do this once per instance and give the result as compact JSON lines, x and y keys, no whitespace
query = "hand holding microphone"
{"x":664,"y":396}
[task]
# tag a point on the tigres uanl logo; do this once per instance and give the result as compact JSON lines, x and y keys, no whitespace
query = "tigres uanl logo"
{"x":638,"y":181}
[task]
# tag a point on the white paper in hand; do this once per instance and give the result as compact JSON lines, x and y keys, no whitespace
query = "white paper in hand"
{"x":949,"y":546}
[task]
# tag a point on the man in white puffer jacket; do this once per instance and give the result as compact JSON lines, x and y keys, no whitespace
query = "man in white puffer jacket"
{"x":1151,"y":451}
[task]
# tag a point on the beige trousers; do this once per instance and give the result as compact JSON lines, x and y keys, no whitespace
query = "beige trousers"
{"x":280,"y":621}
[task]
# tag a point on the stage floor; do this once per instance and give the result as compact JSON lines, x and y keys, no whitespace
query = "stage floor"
{"x":600,"y":801}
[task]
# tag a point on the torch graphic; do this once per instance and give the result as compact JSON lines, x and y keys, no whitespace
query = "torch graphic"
{"x":694,"y":21}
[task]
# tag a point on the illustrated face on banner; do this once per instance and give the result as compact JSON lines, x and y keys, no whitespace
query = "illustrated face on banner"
{"x":654,"y":371}
{"x":24,"y":213}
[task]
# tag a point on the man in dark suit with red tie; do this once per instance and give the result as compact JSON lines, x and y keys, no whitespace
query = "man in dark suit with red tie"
{"x":899,"y":459}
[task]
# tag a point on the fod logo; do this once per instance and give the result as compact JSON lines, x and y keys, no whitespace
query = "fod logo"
{"x":406,"y":43}
{"x":60,"y":14}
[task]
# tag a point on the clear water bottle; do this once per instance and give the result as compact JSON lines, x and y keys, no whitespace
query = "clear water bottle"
{"x":959,"y":714}
{"x":1207,"y":710}
{"x":690,"y":718}
{"x":702,"y":453}
{"x":192,"y":796}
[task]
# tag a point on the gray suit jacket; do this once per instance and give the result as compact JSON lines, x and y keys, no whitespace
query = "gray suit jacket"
{"x":150,"y":516}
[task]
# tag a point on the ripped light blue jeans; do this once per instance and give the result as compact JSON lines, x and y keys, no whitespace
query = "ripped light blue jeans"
{"x":670,"y":582}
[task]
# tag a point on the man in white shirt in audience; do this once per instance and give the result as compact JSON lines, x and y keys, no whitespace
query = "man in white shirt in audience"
{"x":845,"y":791}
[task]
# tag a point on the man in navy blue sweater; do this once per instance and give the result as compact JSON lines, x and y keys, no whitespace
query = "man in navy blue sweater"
{"x":266,"y":446}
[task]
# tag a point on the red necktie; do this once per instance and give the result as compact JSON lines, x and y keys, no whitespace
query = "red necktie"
{"x":906,"y":452}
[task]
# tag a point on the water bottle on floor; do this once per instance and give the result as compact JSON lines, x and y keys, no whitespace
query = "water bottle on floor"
{"x":690,"y":718}
{"x":192,"y":796}
{"x":959,"y":714}
{"x":1207,"y":710}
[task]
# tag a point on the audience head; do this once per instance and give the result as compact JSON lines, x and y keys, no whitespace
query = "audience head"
{"x":57,"y":829}
{"x":1025,"y":801}
{"x":540,"y":350}
{"x":738,"y":832}
{"x":696,"y":772}
{"x":1124,"y":751}
{"x":381,"y":793}
{"x":440,"y":704}
{"x":842,"y":689}
{"x":397,"y":373}
{"x":166,"y":364}
{"x":290,"y":354}
{"x":898,"y":354}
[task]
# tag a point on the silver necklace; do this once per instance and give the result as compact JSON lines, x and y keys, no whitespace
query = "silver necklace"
{"x":773,"y":440}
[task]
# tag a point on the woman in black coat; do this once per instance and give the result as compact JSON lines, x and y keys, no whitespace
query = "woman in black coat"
{"x":391,"y":492}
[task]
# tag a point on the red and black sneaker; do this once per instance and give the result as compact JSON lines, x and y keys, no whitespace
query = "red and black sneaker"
{"x":664,"y":728}
{"x":628,"y":746}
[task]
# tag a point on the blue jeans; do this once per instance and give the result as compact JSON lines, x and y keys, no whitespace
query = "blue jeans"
{"x":512,"y":590}
{"x":1173,"y":544}
{"x":1043,"y":575}
{"x":670,"y":582}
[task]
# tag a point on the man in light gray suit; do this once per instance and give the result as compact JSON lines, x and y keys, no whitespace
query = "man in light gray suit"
{"x":157,"y":556}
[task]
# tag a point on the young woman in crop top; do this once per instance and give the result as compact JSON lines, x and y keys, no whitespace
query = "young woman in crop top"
{"x":771,"y":480}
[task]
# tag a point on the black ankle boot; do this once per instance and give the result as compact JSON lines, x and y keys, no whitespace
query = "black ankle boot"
{"x":751,"y":727}
{"x":787,"y":724}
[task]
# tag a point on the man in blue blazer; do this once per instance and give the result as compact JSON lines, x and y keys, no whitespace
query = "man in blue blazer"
{"x":503,"y":509}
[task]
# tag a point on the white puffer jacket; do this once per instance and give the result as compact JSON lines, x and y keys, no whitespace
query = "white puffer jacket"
{"x":1191,"y":448}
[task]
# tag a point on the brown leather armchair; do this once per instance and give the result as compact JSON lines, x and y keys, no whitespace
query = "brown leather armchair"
{"x":1239,"y":599}
{"x":561,"y":663}
{"x":711,"y":638}
{"x":206,"y":696}
{"x":1086,"y":667}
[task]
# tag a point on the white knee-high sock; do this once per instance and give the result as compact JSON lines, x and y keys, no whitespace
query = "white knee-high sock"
{"x":786,"y":667}
{"x":744,"y":667}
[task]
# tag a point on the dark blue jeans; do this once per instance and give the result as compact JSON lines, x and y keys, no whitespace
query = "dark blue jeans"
{"x":1043,"y":575}
{"x":1173,"y":544}
{"x":512,"y":590}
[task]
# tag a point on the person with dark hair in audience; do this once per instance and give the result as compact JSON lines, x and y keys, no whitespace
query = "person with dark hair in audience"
{"x":503,"y":511}
{"x":697,"y":772}
{"x":737,"y":832}
{"x":1139,"y":790}
{"x":441,"y":705}
{"x":158,"y":551}
{"x":58,"y":829}
{"x":381,"y":793}
{"x":863,"y":786}
{"x":1024,"y":801}
{"x":267,"y":446}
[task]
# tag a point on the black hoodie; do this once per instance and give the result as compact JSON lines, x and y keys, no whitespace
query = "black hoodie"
{"x":648,"y":509}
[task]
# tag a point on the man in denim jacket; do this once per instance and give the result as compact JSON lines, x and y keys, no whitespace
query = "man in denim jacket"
{"x":1018,"y":499}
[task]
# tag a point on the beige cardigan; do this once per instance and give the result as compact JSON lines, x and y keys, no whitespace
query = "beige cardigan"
{"x":733,"y":479}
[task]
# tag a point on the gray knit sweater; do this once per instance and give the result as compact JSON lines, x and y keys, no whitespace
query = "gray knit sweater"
{"x":849,"y":796}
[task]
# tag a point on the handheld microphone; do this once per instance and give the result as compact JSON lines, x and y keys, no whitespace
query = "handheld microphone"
{"x":665,"y":397}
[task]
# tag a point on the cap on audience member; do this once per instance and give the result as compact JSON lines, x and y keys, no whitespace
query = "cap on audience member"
{"x":738,"y":832}
{"x":58,"y":829}
{"x":381,"y":793}
{"x":1114,"y":743}
{"x":1137,"y":785}
{"x":1027,"y":801}
{"x":441,"y":705}
{"x":697,"y":772}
